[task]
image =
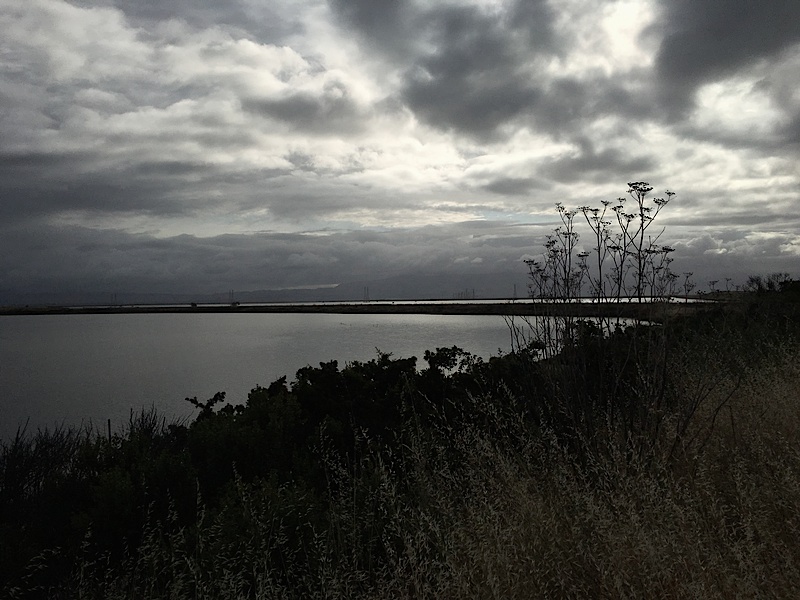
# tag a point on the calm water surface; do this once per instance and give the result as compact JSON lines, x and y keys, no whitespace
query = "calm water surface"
{"x":79,"y":368}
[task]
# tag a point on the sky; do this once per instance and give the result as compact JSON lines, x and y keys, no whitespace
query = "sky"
{"x":181,"y":146}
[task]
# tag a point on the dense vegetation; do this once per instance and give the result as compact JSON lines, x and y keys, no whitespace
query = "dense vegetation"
{"x":656,"y":460}
{"x":599,"y":458}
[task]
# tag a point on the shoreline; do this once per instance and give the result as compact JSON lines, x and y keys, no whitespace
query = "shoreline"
{"x":653,"y":311}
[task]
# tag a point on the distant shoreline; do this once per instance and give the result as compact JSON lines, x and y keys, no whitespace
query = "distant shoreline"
{"x":647,"y":310}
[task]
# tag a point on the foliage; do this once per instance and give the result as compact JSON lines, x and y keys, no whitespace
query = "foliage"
{"x":774,"y":282}
{"x":461,"y":479}
{"x":605,"y":381}
{"x":600,"y":458}
{"x":625,"y":261}
{"x":474,"y":485}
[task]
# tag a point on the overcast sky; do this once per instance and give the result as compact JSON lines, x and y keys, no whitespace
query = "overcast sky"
{"x":175,"y":145}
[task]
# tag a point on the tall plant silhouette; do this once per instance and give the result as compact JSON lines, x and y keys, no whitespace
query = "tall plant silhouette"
{"x":603,"y":376}
{"x":626,"y":261}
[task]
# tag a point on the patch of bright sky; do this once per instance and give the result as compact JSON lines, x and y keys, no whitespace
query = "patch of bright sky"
{"x":759,"y":243}
{"x":400,"y":217}
{"x":603,"y":35}
{"x":490,"y":6}
{"x":259,"y":68}
{"x":736,"y":105}
{"x":407,"y":166}
{"x":693,"y":170}
{"x":792,"y":246}
{"x":516,"y":159}
{"x":503,"y":216}
{"x":714,"y":176}
{"x":322,"y":41}
{"x":623,"y":23}
{"x":166,"y":227}
{"x":76,"y":33}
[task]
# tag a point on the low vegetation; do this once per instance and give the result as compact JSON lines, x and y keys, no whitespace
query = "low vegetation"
{"x":611,"y":459}
{"x":675,"y":475}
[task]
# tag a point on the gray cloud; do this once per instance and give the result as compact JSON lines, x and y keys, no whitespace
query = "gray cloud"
{"x":568,"y":104}
{"x":479,"y":75}
{"x":514,"y":186}
{"x":594,"y":164}
{"x":40,"y":184}
{"x":144,"y":145}
{"x":69,"y":258}
{"x":72,"y":259}
{"x":463,"y":67}
{"x":706,"y":40}
{"x":482,"y":73}
{"x":256,"y":18}
{"x":387,"y":26}
{"x":332,"y":112}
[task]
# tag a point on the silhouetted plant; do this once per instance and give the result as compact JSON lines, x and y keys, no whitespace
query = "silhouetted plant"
{"x":774,"y":282}
{"x":688,"y":284}
{"x":606,"y":376}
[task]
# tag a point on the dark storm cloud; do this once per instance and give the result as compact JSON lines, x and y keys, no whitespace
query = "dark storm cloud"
{"x":464,"y":68}
{"x":476,"y":78}
{"x":386,"y":25}
{"x":755,"y":143}
{"x":482,"y":73}
{"x":403,"y":28}
{"x":569,"y":104}
{"x":476,"y":108}
{"x":793,"y":132}
{"x":331,"y":112}
{"x":35,"y":184}
{"x":240,"y":115}
{"x":68,"y":259}
{"x":706,"y":40}
{"x":50,"y":258}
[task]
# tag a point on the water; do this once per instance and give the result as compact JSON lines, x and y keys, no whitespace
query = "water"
{"x":72,"y":369}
